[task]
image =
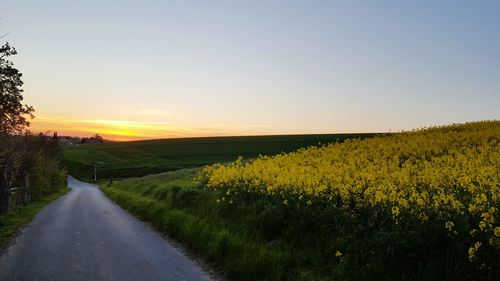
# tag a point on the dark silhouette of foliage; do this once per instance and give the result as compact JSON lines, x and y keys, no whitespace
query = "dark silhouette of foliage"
{"x":29,"y":165}
{"x":13,"y":113}
{"x":95,"y":139}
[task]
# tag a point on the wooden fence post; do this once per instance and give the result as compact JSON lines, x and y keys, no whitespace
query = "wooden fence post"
{"x":4,"y":191}
{"x":27,"y":188}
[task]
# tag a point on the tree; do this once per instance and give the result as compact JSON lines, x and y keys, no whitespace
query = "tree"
{"x":13,"y":113}
{"x":98,"y":138}
{"x":13,"y":120}
{"x":29,"y":165}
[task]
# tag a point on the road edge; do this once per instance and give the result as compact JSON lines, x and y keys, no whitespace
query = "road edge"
{"x":188,"y":253}
{"x":13,"y":222}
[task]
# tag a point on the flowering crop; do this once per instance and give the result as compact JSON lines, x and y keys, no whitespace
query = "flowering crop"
{"x":438,"y":173}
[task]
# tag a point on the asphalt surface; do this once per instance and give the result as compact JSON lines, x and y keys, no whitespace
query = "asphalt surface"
{"x":84,"y":236}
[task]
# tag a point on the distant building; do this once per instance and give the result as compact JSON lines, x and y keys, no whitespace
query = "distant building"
{"x":69,"y":141}
{"x":65,"y":142}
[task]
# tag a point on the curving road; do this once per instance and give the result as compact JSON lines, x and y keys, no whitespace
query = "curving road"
{"x":84,"y":236}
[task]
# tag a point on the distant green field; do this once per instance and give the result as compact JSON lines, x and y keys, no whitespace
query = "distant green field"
{"x":138,"y":158}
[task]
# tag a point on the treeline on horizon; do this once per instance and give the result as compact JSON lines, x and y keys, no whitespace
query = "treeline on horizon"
{"x":30,"y":165}
{"x":76,"y":140}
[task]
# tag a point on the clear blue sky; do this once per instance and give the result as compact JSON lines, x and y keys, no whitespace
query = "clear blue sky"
{"x":145,"y":69}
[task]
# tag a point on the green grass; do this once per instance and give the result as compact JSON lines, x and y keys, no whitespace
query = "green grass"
{"x":175,"y":205}
{"x":138,"y":158}
{"x":259,"y":238}
{"x":14,"y":220}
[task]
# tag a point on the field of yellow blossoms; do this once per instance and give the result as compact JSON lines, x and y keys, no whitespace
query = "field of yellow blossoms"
{"x":448,"y":175}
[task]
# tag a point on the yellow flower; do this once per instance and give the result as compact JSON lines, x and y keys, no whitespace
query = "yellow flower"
{"x":473,"y":251}
{"x":497,"y":231}
{"x":422,"y":173}
{"x":482,"y":225}
{"x":338,"y":254}
{"x":449,"y":225}
{"x":395,"y":211}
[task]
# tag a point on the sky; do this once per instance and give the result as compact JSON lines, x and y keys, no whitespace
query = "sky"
{"x":159,"y":69}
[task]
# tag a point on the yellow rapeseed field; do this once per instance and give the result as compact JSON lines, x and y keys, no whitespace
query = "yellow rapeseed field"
{"x":439,"y":172}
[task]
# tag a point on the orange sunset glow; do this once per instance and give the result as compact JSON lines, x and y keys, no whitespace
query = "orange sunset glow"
{"x":127,"y":130}
{"x":118,"y":130}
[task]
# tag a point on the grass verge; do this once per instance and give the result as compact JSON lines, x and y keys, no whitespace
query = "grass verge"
{"x":13,"y":221}
{"x":176,"y":206}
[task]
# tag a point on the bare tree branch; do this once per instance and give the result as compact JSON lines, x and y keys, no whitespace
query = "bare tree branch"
{"x":5,"y":33}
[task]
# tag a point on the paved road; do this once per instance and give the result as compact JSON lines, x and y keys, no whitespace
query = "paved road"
{"x":84,"y":236}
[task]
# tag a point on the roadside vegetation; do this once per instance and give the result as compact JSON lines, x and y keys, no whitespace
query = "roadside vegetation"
{"x":31,"y":174}
{"x":12,"y":221}
{"x":420,"y":205}
{"x":139,"y":158}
